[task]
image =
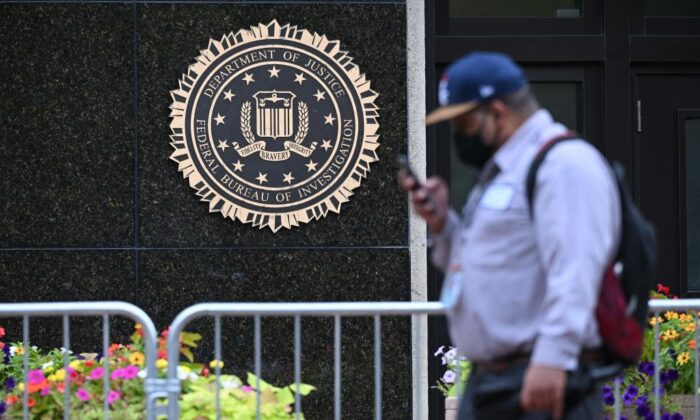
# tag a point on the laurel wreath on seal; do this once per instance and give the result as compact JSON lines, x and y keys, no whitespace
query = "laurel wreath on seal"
{"x":247,"y":131}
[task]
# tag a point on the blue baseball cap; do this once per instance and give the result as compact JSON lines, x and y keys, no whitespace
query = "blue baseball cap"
{"x":472,"y":80}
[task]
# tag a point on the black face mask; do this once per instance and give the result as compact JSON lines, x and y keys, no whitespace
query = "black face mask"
{"x":471,"y":150}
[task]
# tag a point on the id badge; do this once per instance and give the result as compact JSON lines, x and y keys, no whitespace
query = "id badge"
{"x":451,"y":289}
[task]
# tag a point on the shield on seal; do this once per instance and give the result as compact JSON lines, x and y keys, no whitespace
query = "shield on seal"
{"x":274,"y":113}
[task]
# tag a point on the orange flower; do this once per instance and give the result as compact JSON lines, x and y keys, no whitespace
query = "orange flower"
{"x":32,"y":388}
{"x":669,"y":335}
{"x":685,"y":318}
{"x":31,"y":402}
{"x":691,"y":344}
{"x":11,"y":399}
{"x":114,"y":347}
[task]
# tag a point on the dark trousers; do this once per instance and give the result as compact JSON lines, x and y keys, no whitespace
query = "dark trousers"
{"x":496,"y":396}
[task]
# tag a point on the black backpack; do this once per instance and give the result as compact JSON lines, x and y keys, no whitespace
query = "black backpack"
{"x":622,"y":306}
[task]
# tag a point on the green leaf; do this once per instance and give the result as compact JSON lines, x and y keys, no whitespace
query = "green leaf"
{"x":190,"y":339}
{"x":304,"y":389}
{"x":252,"y":380}
{"x":187,"y":353}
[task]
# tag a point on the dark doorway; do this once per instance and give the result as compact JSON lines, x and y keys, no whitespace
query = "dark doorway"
{"x":667,"y":139}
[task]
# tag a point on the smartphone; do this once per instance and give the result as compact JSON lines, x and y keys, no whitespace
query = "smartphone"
{"x":402,"y":160}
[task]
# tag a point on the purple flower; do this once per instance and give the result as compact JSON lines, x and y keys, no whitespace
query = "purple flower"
{"x":677,"y":416}
{"x":449,"y":377}
{"x":630,"y":393}
{"x":36,"y":376}
{"x":10,"y":384}
{"x":609,"y":399}
{"x":113,"y":396}
{"x":3,"y":407}
{"x":607,"y":389}
{"x":642,"y":400}
{"x":668,"y":376}
{"x":117,"y":374}
{"x":665,"y":416}
{"x":130,"y":372}
{"x":646,"y":368}
{"x":97,"y":373}
{"x":6,"y":358}
{"x":82,"y":394}
{"x":643,"y":410}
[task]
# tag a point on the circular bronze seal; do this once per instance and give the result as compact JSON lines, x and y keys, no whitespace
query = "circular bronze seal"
{"x":274,"y":126}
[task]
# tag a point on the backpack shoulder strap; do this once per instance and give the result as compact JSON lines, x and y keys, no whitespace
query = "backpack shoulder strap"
{"x":531,"y":179}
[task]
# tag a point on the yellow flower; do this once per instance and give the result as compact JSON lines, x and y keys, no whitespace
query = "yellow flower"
{"x":60,"y":375}
{"x":214,"y":363}
{"x":690,"y":327}
{"x":685,"y":318}
{"x":669,"y":335}
{"x":683,"y":358}
{"x":20,"y":386}
{"x":161,"y":363}
{"x":136,"y":358}
{"x":653,"y":321}
{"x":671,"y":315}
{"x":52,"y":378}
{"x":76,"y":364}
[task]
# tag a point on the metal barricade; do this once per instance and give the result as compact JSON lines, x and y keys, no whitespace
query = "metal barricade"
{"x":295,"y":310}
{"x":105,"y":309}
{"x":656,"y":307}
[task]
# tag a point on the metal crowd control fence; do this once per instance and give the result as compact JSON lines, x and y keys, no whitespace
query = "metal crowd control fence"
{"x":81,"y":309}
{"x":655,"y":307}
{"x":158,"y":388}
{"x":296,"y":310}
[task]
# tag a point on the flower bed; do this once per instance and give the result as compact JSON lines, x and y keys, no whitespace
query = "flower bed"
{"x":676,"y":344}
{"x":126,"y":397}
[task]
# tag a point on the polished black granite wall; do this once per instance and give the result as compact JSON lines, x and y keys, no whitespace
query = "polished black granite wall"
{"x":92,"y":209}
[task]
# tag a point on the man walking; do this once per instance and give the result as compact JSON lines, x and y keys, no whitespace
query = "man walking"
{"x":523,"y":285}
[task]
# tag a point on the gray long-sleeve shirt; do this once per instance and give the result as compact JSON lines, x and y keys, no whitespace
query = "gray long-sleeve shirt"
{"x":532,"y":285}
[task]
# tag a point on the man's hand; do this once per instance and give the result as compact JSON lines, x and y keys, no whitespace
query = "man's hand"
{"x":431,"y":201}
{"x":543,"y":390}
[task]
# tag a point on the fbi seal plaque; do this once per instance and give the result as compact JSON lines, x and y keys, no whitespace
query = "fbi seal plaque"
{"x":274,"y":126}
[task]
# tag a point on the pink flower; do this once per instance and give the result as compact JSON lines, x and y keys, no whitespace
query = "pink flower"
{"x":97,"y":373}
{"x":117,"y":374}
{"x":246,"y":388}
{"x":113,"y":396}
{"x":130,"y":372}
{"x":36,"y":376}
{"x":45,"y":391}
{"x":82,"y":394}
